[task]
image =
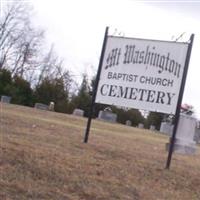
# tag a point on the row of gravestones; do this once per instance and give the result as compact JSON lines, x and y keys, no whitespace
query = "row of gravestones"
{"x":41,"y":106}
{"x":166,"y":127}
{"x":104,"y":115}
{"x":187,"y":134}
{"x":107,"y":115}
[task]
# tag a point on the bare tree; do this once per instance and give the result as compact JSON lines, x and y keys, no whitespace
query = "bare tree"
{"x":21,"y":48}
{"x":19,"y":42}
{"x":52,"y":67}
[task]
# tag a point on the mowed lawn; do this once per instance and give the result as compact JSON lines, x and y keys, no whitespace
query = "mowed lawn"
{"x":43,"y":157}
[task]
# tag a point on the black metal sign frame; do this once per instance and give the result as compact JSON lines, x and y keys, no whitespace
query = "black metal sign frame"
{"x":178,"y":107}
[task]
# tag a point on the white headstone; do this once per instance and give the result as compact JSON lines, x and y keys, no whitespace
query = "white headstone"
{"x":51,"y":106}
{"x":197,"y":135}
{"x":5,"y":99}
{"x":78,"y":112}
{"x":197,"y":132}
{"x":184,"y":142}
{"x":41,"y":106}
{"x":128,"y":123}
{"x":166,"y":128}
{"x":107,"y":115}
{"x":152,"y":128}
{"x":140,"y":125}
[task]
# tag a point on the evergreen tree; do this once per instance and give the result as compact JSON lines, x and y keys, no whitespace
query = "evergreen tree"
{"x":155,"y":119}
{"x":122,"y":114}
{"x":53,"y":90}
{"x":97,"y":107}
{"x":131,"y":114}
{"x":21,"y":92}
{"x":83,"y":99}
{"x":16,"y":87}
{"x":5,"y":82}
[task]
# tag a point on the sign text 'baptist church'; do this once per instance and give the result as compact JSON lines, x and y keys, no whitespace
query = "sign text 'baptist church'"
{"x":142,"y":74}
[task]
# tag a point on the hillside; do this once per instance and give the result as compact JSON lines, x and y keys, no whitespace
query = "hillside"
{"x":43,"y":157}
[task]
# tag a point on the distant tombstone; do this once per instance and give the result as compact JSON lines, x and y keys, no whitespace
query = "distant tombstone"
{"x":184,"y":143}
{"x":140,"y":125}
{"x":78,"y":112}
{"x":197,"y":133}
{"x":41,"y":106}
{"x":128,"y":123}
{"x":5,"y":99}
{"x":107,"y":115}
{"x":166,"y":128}
{"x":152,"y":128}
{"x":51,"y":106}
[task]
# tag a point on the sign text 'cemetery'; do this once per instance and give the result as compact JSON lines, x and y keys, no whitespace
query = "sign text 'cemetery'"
{"x":142,"y":74}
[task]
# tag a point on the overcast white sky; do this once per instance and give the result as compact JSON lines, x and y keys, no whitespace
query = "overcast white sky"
{"x":76,"y":27}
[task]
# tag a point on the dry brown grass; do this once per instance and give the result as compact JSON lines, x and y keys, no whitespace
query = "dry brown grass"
{"x":43,"y":158}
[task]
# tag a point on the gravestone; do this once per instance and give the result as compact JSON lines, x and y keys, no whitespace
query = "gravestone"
{"x":107,"y":115}
{"x":78,"y":112}
{"x":5,"y":99}
{"x":152,"y":128}
{"x":184,"y":143}
{"x":166,"y":128}
{"x":51,"y":106}
{"x":140,"y":125}
{"x":197,"y":135}
{"x":128,"y":123}
{"x":41,"y":106}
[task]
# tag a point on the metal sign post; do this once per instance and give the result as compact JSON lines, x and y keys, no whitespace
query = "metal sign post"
{"x":179,"y":102}
{"x":127,"y":73}
{"x":94,"y":92}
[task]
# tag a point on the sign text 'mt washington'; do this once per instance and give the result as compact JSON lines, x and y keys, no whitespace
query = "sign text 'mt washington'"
{"x":142,"y":74}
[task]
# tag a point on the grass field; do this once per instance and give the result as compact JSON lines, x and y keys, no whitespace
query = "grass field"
{"x":43,"y":157}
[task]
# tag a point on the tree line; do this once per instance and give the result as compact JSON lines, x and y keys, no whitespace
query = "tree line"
{"x":29,"y":73}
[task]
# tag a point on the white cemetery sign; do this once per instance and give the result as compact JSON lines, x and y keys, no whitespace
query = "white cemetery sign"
{"x":142,"y":74}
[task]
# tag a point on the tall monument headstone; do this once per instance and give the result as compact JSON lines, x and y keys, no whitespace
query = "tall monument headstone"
{"x":184,"y":142}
